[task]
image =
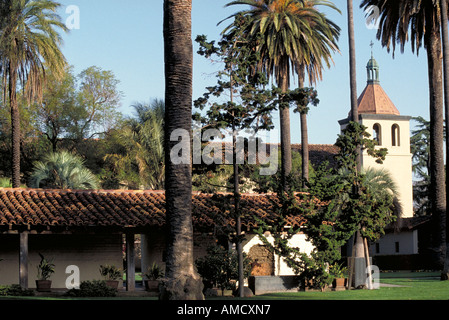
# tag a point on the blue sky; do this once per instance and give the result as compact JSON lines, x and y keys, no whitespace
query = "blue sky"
{"x":126,"y":38}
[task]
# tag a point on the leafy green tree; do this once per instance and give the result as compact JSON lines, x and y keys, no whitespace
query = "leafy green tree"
{"x":339,"y":202}
{"x":53,"y":114}
{"x":420,"y":148}
{"x":219,"y":268}
{"x":98,"y":100}
{"x":62,"y":170}
{"x":29,"y":41}
{"x":248,"y":107}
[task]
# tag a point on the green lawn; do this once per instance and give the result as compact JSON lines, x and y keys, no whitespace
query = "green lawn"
{"x":409,"y":286}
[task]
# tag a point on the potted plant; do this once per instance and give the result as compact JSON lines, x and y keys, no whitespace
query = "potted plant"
{"x":152,"y":276}
{"x":111,"y":275}
{"x":339,"y":273}
{"x":44,"y":271}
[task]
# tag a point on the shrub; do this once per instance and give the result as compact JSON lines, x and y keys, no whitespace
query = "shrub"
{"x":95,"y":288}
{"x":219,"y":268}
{"x":16,"y":291}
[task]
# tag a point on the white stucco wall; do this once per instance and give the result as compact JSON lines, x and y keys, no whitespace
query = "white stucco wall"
{"x":281,"y":268}
{"x":87,"y":252}
{"x":407,"y":241}
{"x":398,"y":161}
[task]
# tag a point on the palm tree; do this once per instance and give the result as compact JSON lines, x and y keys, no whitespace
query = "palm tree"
{"x":141,"y":146}
{"x":181,"y":282}
{"x":445,"y":38}
{"x":419,"y":22}
{"x":28,"y":42}
{"x":358,"y":250}
{"x":323,"y":42}
{"x":352,"y":63}
{"x":62,"y":170}
{"x":381,"y":185}
{"x":282,"y":29}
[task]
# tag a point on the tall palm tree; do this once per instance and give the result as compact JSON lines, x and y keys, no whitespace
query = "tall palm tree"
{"x":28,"y":41}
{"x":322,"y":43}
{"x":445,"y":38}
{"x":419,"y":22}
{"x":282,"y":28}
{"x":352,"y":64}
{"x":358,"y":243}
{"x":181,"y":282}
{"x":62,"y":170}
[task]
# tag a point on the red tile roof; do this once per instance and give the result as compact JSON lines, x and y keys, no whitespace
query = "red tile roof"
{"x":374,"y":100}
{"x":37,"y":208}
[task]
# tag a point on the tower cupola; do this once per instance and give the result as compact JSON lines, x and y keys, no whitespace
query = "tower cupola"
{"x":372,"y":69}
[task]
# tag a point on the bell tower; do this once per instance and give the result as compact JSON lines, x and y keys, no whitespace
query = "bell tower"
{"x":391,"y":130}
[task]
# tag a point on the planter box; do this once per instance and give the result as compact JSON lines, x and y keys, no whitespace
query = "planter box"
{"x":269,"y":284}
{"x":43,"y":285}
{"x":112,"y":284}
{"x":339,"y":284}
{"x":151,"y":285}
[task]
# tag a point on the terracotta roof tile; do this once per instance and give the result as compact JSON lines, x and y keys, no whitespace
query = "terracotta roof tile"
{"x":374,"y":100}
{"x":47,"y":208}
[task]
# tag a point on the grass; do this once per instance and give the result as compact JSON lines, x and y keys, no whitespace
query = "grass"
{"x":408,"y":286}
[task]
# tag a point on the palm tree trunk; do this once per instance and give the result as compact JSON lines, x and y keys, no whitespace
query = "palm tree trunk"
{"x":445,"y":37}
{"x":304,"y":149}
{"x":286,"y":148}
{"x":304,"y":136}
{"x":15,"y":125}
{"x":237,"y":213}
{"x":352,"y":63}
{"x":181,"y":282}
{"x":359,"y":251}
{"x":437,"y":174}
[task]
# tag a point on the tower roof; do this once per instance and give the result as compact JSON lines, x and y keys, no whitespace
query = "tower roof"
{"x":374,"y":99}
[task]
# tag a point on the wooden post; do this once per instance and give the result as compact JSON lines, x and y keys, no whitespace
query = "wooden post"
{"x":130,"y":263}
{"x":23,"y":260}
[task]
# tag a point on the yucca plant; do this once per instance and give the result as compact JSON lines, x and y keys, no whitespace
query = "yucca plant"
{"x":62,"y":170}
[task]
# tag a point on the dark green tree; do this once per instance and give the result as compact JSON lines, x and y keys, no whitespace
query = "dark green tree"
{"x":420,"y":148}
{"x":248,"y":106}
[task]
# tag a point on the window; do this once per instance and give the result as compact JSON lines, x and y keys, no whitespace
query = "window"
{"x":396,"y":245}
{"x":395,"y":136}
{"x":377,"y":247}
{"x":377,"y":134}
